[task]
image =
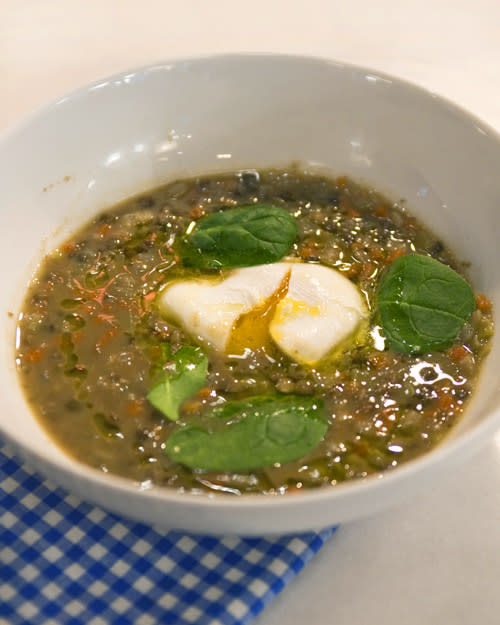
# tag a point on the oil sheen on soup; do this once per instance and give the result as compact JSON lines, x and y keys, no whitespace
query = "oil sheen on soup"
{"x":260,"y":331}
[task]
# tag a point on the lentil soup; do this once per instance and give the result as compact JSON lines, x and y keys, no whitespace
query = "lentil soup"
{"x":115,"y":379}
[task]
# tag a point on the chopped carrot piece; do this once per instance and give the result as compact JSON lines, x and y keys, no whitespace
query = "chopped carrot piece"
{"x":68,"y":248}
{"x":457,"y":353}
{"x":205,"y":392}
{"x":109,"y":334}
{"x":395,"y":254}
{"x":367,"y":270}
{"x":40,"y":306}
{"x":306,"y":252}
{"x":376,"y":252}
{"x":35,"y":354}
{"x":352,"y":271}
{"x":191,"y":406}
{"x":104,"y":229}
{"x":379,"y":360}
{"x":483,"y":303}
{"x":381,"y":211}
{"x":445,"y":402}
{"x":196,"y":212}
{"x":135,"y":407}
{"x":348,"y":207}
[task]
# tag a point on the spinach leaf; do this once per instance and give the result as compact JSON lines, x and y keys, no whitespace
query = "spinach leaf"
{"x":422,"y":304}
{"x":246,"y":435}
{"x":240,"y":237}
{"x":185,"y":374}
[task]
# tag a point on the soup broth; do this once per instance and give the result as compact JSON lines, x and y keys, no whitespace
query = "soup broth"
{"x":94,"y":341}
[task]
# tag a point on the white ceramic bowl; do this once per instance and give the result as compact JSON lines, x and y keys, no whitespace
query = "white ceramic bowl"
{"x":138,"y":129}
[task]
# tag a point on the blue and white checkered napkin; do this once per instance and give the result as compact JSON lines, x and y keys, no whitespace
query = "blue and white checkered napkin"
{"x":65,"y":562}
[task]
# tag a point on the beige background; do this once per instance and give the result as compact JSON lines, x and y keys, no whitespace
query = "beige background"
{"x":436,"y":560}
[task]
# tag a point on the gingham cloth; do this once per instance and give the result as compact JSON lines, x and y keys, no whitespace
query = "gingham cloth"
{"x":66,"y":562}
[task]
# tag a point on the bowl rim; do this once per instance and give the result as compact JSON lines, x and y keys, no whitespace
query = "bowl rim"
{"x":169,"y":64}
{"x":435,"y":457}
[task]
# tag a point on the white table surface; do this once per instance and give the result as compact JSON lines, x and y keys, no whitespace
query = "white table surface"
{"x":436,"y":559}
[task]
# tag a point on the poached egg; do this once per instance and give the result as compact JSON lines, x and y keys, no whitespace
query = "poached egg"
{"x":305,"y":309}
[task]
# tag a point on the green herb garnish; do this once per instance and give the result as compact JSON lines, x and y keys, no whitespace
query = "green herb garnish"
{"x":240,"y":237}
{"x":255,"y":433}
{"x":184,"y":374}
{"x":422,"y":304}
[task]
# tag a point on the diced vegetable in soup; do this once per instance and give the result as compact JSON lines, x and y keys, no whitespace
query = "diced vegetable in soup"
{"x":261,"y":331}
